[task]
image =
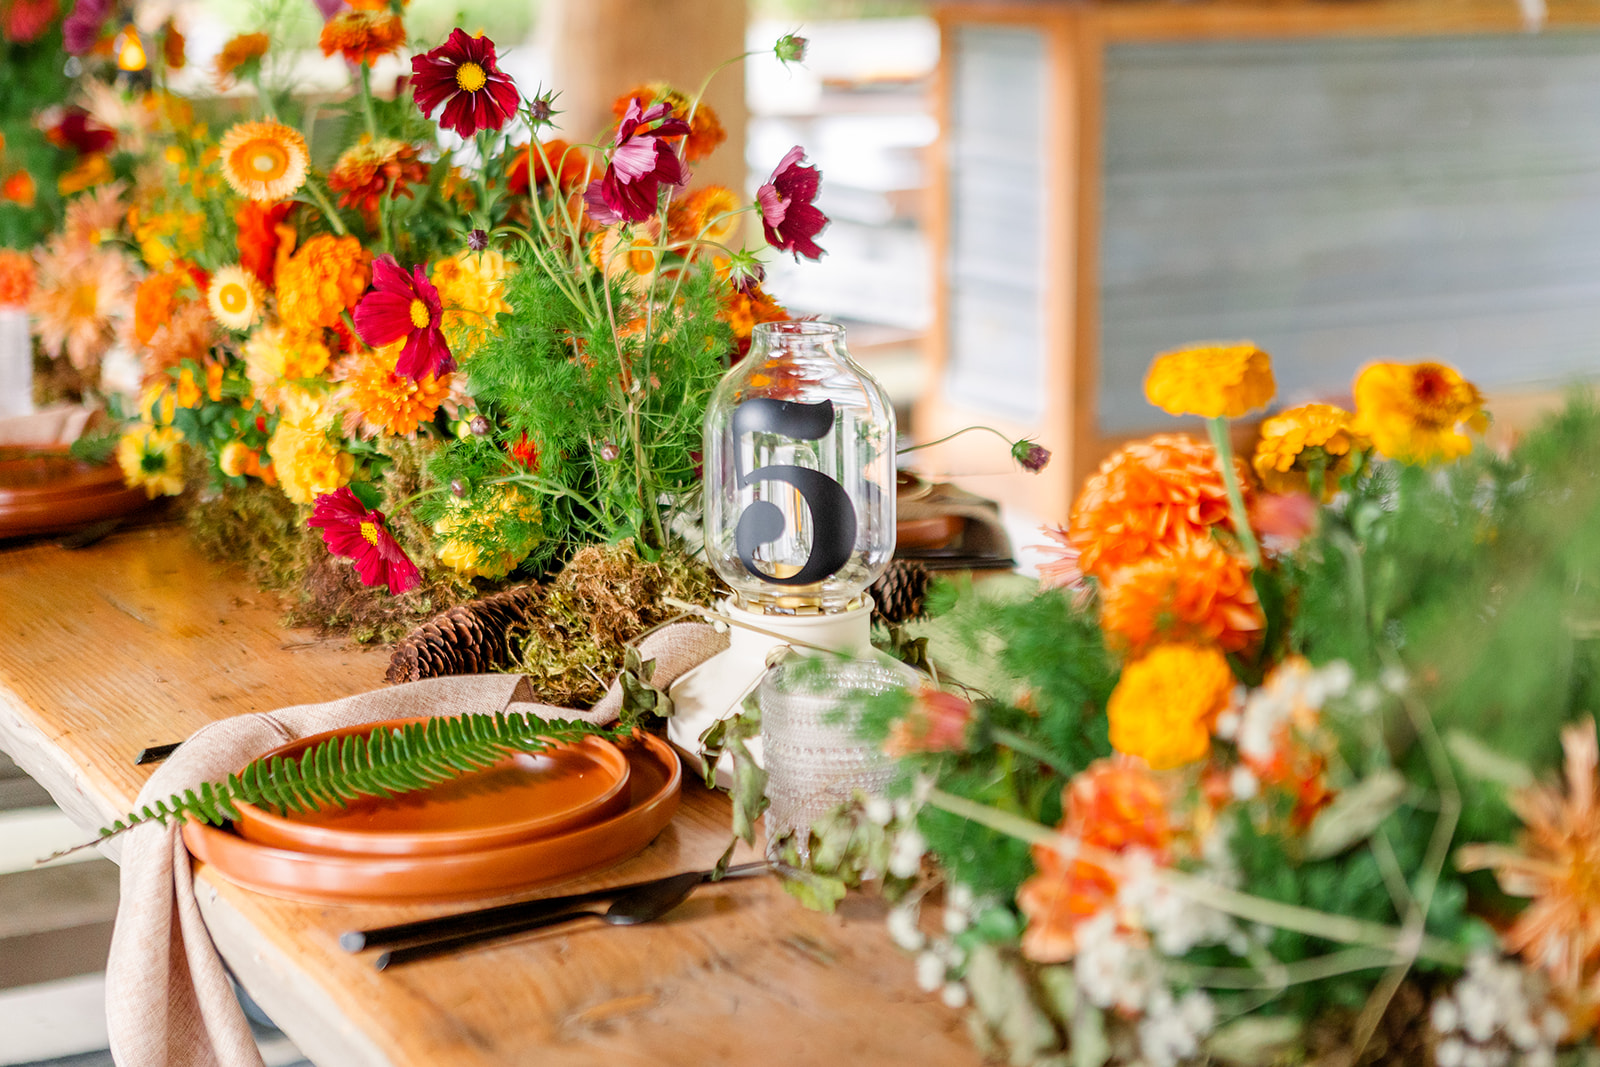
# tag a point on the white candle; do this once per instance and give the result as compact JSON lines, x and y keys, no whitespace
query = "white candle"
{"x":16,"y":363}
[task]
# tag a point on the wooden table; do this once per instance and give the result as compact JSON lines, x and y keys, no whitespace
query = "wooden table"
{"x":137,"y":641}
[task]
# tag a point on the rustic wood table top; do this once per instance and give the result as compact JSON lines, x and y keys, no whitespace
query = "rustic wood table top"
{"x":138,"y":641}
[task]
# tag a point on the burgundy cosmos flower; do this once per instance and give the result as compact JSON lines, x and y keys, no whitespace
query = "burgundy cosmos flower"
{"x":351,"y":531}
{"x":640,"y":162}
{"x":463,"y":72}
{"x":788,"y":216}
{"x":405,"y":305}
{"x":81,"y":29}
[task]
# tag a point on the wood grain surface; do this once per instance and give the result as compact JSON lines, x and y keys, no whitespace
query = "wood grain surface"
{"x":137,"y":641}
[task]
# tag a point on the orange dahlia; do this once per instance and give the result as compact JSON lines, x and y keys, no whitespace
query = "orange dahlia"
{"x":366,"y":171}
{"x":1195,"y":592}
{"x":379,"y":400}
{"x":363,"y":36}
{"x":188,"y":335}
{"x":81,"y":295}
{"x":1113,"y":804}
{"x":321,"y":281}
{"x":1166,"y":703}
{"x":264,"y":161}
{"x":1413,"y":411}
{"x":1211,"y":380}
{"x":705,"y":132}
{"x":1302,"y":439}
{"x":1148,"y":496}
{"x":16,"y":278}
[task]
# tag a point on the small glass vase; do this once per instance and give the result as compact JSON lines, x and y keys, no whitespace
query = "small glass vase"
{"x":799,"y":473}
{"x":810,"y":714}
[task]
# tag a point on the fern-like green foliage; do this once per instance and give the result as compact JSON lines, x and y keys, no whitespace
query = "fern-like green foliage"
{"x":383,"y":763}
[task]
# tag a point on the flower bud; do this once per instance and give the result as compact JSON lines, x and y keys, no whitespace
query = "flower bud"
{"x":479,"y":426}
{"x":791,"y":48}
{"x":477,"y":240}
{"x":609,"y":451}
{"x":1031,"y":455}
{"x":458,"y":489}
{"x":541,"y":110}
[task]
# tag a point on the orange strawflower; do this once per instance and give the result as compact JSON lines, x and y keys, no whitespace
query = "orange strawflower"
{"x":571,"y":165}
{"x":262,"y":232}
{"x":156,"y":299}
{"x":1195,"y":592}
{"x":1166,"y":703}
{"x":1296,"y":441}
{"x":242,"y":49}
{"x":265,"y":161}
{"x":1554,"y":863}
{"x":705,"y":132}
{"x":368,"y":170}
{"x":1211,"y":380}
{"x":1148,"y":496}
{"x":363,"y":36}
{"x":1412,"y":411}
{"x":19,"y":188}
{"x":1113,"y":804}
{"x":322,"y":281}
{"x":709,"y":214}
{"x":378,"y":400}
{"x":16,"y":278}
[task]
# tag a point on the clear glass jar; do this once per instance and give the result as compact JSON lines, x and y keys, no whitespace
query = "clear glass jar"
{"x":799,"y":473}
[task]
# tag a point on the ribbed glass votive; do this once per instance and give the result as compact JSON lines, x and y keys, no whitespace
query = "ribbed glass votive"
{"x":813,"y":759}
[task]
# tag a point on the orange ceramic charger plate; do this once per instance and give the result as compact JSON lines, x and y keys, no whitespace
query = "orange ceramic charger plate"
{"x":654,"y":782}
{"x":47,"y":490}
{"x":523,"y":796}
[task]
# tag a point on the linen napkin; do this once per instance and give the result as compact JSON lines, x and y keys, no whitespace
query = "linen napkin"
{"x":169,"y":1002}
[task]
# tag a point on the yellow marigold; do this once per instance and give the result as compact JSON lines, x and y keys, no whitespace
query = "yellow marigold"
{"x":151,"y":458}
{"x":307,"y":462}
{"x":1412,"y":411}
{"x":1166,"y":702}
{"x":234,"y":297}
{"x":1149,"y":496}
{"x":1196,"y":592}
{"x":384,"y":401}
{"x":321,"y":281}
{"x":264,"y":161}
{"x":362,"y":36}
{"x":471,"y":287}
{"x":275,"y":355}
{"x":1296,"y":441}
{"x":470,"y":525}
{"x":241,"y":49}
{"x":1211,"y":380}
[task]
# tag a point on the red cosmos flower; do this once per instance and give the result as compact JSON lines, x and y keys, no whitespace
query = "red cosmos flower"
{"x":351,"y":531}
{"x":24,"y":21}
{"x":463,"y":72}
{"x":788,"y":216}
{"x":640,"y":162}
{"x":405,"y":305}
{"x":75,"y":129}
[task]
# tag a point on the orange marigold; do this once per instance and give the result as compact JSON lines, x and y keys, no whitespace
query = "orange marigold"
{"x":16,"y":278}
{"x":571,"y":165}
{"x":705,"y":132}
{"x":1195,"y":592}
{"x":709,"y":214}
{"x":321,"y":281}
{"x":1113,"y":804}
{"x":156,"y":299}
{"x":363,"y":36}
{"x":1211,"y":380}
{"x":1413,"y":411}
{"x":241,"y":49}
{"x":378,"y":400}
{"x":371,"y":168}
{"x":261,"y":235}
{"x":1308,"y":437}
{"x":1148,"y":496}
{"x":1166,"y":703}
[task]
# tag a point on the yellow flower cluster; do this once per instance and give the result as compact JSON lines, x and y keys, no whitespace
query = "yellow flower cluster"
{"x":459,"y":551}
{"x":471,"y":287}
{"x":151,"y":457}
{"x":1296,"y":441}
{"x":307,"y":460}
{"x":1166,"y":703}
{"x":276,"y":356}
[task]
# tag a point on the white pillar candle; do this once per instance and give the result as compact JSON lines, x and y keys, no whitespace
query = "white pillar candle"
{"x":16,"y":363}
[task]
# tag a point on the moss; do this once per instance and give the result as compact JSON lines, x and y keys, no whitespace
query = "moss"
{"x":605,"y":597}
{"x":256,"y":528}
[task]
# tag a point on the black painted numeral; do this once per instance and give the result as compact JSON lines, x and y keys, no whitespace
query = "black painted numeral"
{"x":833,"y":516}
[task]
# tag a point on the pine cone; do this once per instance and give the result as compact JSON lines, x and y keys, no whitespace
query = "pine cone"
{"x":467,"y":639}
{"x":900,"y":592}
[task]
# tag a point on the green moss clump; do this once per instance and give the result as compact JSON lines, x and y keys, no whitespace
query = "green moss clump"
{"x":606,"y":596}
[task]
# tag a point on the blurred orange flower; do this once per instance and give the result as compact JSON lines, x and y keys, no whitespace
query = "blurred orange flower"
{"x":1211,"y":380}
{"x":1412,"y":411}
{"x":709,"y":214}
{"x":19,"y":189}
{"x":265,"y":161}
{"x":155,"y":300}
{"x":368,"y":170}
{"x":321,"y":281}
{"x":571,"y":165}
{"x":1194,"y":592}
{"x":261,"y":235}
{"x":16,"y":278}
{"x":239,"y":50}
{"x":936,"y":722}
{"x":1166,"y":703}
{"x":363,"y":36}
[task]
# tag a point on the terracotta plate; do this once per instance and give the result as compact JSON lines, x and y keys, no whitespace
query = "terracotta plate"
{"x":654,"y":781}
{"x":523,"y":796}
{"x":42,"y":491}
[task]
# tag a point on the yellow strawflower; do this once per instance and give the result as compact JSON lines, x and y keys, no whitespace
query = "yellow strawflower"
{"x":1211,"y":380}
{"x":1166,"y":703}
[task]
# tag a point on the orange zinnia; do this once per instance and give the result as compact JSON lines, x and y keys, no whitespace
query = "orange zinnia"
{"x":265,"y":161}
{"x":322,"y":281}
{"x":363,"y":36}
{"x":366,"y":171}
{"x":1195,"y":592}
{"x":381,"y":400}
{"x":1149,"y":496}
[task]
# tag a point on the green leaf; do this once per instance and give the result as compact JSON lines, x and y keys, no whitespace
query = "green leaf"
{"x":1355,"y":814}
{"x":816,"y":891}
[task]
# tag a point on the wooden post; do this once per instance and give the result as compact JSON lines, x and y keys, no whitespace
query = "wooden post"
{"x":602,"y":48}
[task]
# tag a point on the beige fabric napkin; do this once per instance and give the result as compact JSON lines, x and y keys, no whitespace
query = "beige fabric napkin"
{"x":168,"y":999}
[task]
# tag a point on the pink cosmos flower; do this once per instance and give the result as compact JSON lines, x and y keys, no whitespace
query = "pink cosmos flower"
{"x":462,"y":71}
{"x":351,"y":531}
{"x":788,"y":216}
{"x":640,"y":163}
{"x":405,"y":305}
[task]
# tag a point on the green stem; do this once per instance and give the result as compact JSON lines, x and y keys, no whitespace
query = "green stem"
{"x":327,"y":207}
{"x":366,"y":102}
{"x":1017,"y":743}
{"x":1218,"y":429}
{"x":951,"y":437}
